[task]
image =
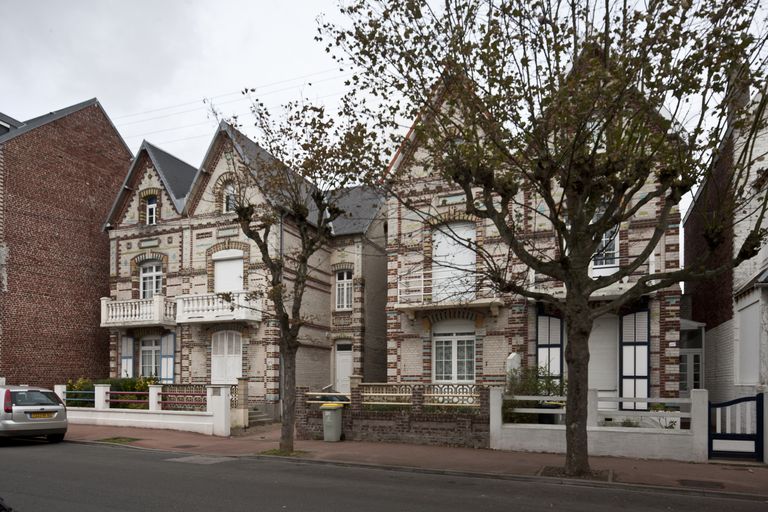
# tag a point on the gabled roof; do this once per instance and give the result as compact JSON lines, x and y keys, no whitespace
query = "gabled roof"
{"x":361,"y":205}
{"x":11,"y":122}
{"x":175,"y":174}
{"x":39,"y":121}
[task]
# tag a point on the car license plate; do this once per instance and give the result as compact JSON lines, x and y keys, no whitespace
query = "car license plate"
{"x":37,"y":415}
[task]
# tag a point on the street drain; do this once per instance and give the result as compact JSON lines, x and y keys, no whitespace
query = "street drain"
{"x":186,"y":446}
{"x":200,"y":459}
{"x":702,"y":484}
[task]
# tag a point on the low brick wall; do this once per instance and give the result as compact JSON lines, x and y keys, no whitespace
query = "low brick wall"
{"x":413,"y":424}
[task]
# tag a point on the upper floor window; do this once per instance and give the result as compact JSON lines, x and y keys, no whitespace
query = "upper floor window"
{"x":151,"y":280}
{"x":151,"y":213}
{"x":607,"y":252}
{"x":229,"y":201}
{"x":344,"y":290}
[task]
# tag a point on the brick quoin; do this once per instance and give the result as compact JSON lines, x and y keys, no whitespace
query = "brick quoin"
{"x":59,"y":182}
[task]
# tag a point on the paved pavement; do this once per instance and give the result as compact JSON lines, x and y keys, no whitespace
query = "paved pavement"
{"x":713,"y":477}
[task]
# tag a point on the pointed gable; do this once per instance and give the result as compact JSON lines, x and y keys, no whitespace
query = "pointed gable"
{"x":154,"y":171}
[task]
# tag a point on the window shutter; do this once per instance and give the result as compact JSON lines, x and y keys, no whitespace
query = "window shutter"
{"x":167,"y":348}
{"x":126,"y":357}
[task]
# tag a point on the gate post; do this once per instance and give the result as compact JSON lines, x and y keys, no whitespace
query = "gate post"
{"x":700,"y":424}
{"x":762,"y":398}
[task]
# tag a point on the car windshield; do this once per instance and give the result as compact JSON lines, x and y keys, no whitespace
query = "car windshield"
{"x":34,"y":397}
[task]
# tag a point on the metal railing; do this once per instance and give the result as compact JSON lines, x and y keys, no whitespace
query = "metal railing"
{"x":76,"y":398}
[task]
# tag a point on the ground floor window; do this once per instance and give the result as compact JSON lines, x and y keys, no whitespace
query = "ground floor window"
{"x":150,"y":357}
{"x":454,"y":352}
{"x":634,"y":358}
{"x":549,"y":347}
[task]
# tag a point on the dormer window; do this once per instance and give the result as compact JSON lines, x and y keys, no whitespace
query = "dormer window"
{"x":229,"y":201}
{"x":151,"y":211}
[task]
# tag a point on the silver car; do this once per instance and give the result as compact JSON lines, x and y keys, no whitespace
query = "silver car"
{"x":30,"y":412}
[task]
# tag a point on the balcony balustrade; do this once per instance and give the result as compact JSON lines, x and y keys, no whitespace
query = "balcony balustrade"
{"x":158,"y":310}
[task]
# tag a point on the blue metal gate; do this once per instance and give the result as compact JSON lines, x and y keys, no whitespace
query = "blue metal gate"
{"x":736,"y":428}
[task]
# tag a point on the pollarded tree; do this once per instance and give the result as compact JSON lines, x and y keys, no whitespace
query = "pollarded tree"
{"x":294,"y":177}
{"x":582,"y":113}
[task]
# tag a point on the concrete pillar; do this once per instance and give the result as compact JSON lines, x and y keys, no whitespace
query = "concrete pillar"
{"x":104,"y":310}
{"x":59,"y":389}
{"x":700,"y":424}
{"x":592,"y":416}
{"x":154,"y":397}
{"x":496,"y":398}
{"x":355,"y":381}
{"x":100,"y":396}
{"x":218,"y":405}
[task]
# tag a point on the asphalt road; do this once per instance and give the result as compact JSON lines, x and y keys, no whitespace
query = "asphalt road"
{"x":35,"y":476}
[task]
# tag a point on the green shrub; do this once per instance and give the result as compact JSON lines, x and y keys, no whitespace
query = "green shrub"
{"x":81,"y":384}
{"x":533,"y":381}
{"x":139,"y":384}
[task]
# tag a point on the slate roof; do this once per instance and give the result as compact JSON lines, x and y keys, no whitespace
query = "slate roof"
{"x":361,"y":204}
{"x":13,"y":123}
{"x":176,"y":174}
{"x":39,"y":121}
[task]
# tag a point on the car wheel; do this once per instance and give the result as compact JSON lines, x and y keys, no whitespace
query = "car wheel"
{"x":55,"y":438}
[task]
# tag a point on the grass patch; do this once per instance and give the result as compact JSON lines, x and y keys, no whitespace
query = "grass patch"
{"x":283,"y":453}
{"x":119,"y":440}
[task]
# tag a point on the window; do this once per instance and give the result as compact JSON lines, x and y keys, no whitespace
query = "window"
{"x":151,"y":214}
{"x":150,"y":358}
{"x":634,"y":359}
{"x":549,"y":346}
{"x":344,"y":290}
{"x":454,"y":351}
{"x":606,"y":254}
{"x":151,"y":280}
{"x":453,"y":263}
{"x":228,"y":271}
{"x":229,"y":201}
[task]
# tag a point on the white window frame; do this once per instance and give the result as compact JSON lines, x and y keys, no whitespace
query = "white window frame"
{"x":455,"y":333}
{"x":151,"y":212}
{"x":600,"y":259}
{"x":344,"y":290}
{"x":152,"y":348}
{"x":152,"y":273}
{"x":229,"y":199}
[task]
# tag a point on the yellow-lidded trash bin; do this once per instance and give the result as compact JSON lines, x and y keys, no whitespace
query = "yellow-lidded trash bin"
{"x":331,"y":422}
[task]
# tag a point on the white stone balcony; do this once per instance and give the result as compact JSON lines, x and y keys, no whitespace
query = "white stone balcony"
{"x":158,"y":310}
{"x":420,"y":292}
{"x":209,"y":307}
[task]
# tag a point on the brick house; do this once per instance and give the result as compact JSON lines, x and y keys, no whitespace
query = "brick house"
{"x":446,"y":326}
{"x":175,"y":244}
{"x":734,"y":304}
{"x":58,"y":173}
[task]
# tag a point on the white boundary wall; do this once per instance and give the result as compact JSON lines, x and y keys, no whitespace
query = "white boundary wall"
{"x":214,"y":422}
{"x":646,"y":443}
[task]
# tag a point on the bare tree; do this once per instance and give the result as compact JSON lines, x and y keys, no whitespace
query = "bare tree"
{"x":579,"y":112}
{"x":294,"y":176}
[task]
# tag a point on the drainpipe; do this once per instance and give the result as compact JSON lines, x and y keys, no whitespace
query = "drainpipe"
{"x":280,"y":359}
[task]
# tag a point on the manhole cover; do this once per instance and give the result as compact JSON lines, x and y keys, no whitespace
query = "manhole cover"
{"x":200,"y":459}
{"x":703,"y":484}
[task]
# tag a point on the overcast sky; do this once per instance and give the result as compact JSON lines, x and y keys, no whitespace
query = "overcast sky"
{"x":140,"y":57}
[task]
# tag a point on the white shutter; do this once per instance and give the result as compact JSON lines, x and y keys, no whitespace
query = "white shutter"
{"x":453,"y":262}
{"x":228,"y":275}
{"x":226,"y":357}
{"x":126,"y":357}
{"x":603,"y":353}
{"x":749,"y":344}
{"x":167,"y":349}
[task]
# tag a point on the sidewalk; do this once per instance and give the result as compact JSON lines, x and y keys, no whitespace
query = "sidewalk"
{"x":714,"y":477}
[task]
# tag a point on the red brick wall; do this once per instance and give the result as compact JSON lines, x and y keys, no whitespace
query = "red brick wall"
{"x":60,"y":181}
{"x":711,"y":299}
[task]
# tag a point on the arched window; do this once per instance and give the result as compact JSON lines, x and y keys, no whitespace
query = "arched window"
{"x":229,"y":199}
{"x":150,"y":279}
{"x":151,"y":210}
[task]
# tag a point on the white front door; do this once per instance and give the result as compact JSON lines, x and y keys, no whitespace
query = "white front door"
{"x":453,"y":263}
{"x":343,"y":366}
{"x":226,"y":357}
{"x":604,"y":359}
{"x":690,"y":371}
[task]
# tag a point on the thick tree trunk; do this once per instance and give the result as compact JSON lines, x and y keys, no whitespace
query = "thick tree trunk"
{"x":579,"y":326}
{"x":288,"y":394}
